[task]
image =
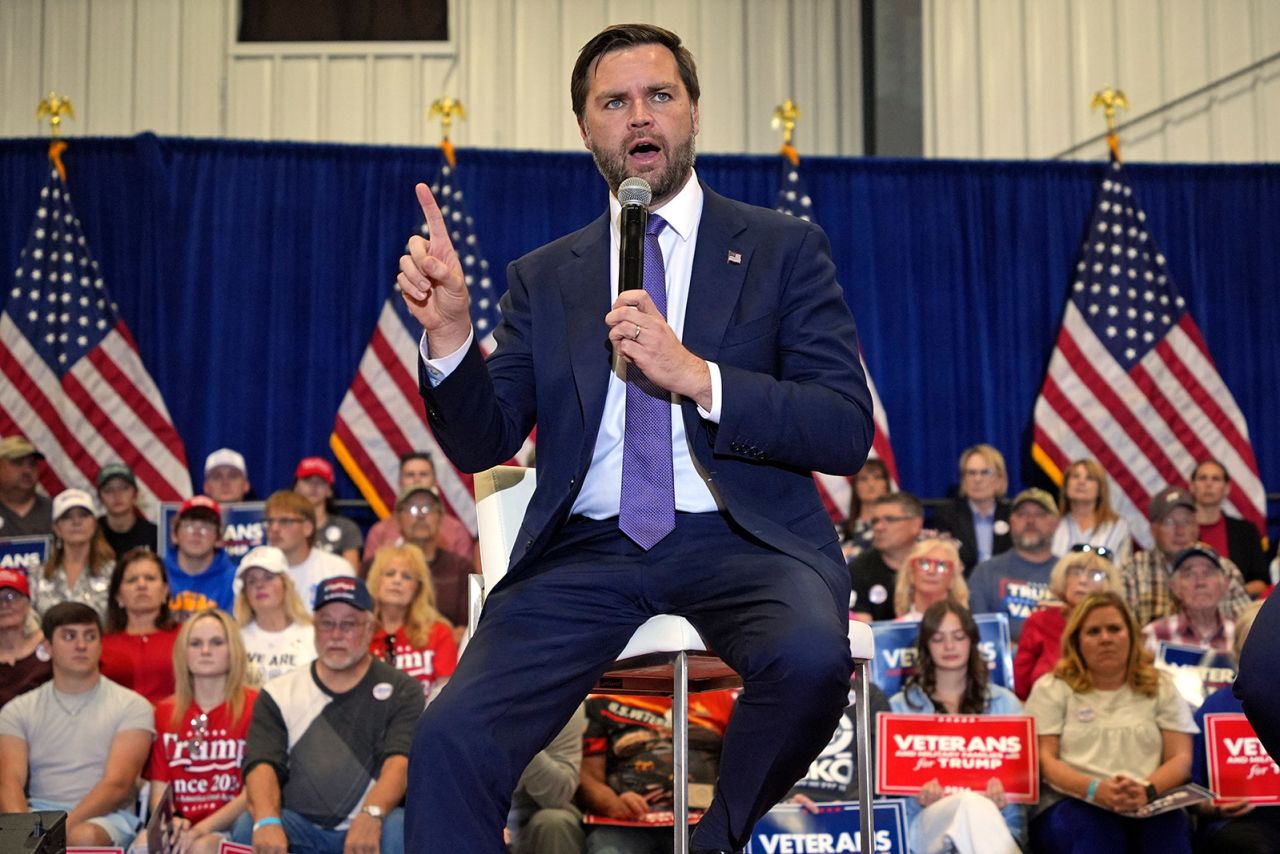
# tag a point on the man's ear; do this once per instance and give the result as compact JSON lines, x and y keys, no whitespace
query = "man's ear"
{"x":585,"y":132}
{"x":693,"y":112}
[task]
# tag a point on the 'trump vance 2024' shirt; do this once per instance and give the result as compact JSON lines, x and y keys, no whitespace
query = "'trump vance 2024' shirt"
{"x":199,"y":758}
{"x":327,"y":749}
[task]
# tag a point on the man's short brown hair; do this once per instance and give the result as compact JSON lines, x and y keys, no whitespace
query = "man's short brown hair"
{"x":291,"y":502}
{"x":621,"y":37}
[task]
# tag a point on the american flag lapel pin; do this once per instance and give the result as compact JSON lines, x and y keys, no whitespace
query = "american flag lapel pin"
{"x":735,"y":257}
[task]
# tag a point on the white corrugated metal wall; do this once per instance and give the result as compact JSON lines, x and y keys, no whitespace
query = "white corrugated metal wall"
{"x":1002,"y":78}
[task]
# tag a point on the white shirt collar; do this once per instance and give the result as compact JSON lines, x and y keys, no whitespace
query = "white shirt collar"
{"x":682,"y":211}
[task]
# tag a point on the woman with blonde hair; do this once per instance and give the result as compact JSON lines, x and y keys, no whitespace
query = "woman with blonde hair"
{"x":931,"y":573}
{"x":978,"y":516}
{"x":80,"y":559}
{"x":412,"y":635}
{"x":1087,"y":515}
{"x":1113,"y":735}
{"x":276,"y":626}
{"x":1084,"y":570}
{"x":201,"y":730}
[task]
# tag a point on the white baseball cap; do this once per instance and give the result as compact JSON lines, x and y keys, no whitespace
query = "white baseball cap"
{"x":69,"y":499}
{"x":225,"y":457}
{"x":269,"y":558}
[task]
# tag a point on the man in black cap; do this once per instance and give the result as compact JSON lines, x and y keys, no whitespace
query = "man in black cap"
{"x":1198,"y":583}
{"x":419,"y":513}
{"x":326,"y":759}
{"x":122,"y":524}
{"x":23,"y":511}
{"x":1146,"y":575}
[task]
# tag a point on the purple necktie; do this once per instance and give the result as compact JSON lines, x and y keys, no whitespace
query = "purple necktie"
{"x":647,"y":511}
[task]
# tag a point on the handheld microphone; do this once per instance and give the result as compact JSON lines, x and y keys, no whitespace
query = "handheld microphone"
{"x":635,"y":195}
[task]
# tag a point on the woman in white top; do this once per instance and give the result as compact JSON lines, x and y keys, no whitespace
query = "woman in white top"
{"x":931,"y":573}
{"x":1087,"y":515}
{"x":277,"y":630}
{"x":1113,"y":734}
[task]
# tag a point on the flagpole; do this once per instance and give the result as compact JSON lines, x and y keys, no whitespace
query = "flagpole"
{"x":1110,"y":100}
{"x":785,"y":116}
{"x":446,"y":109}
{"x":54,"y":106}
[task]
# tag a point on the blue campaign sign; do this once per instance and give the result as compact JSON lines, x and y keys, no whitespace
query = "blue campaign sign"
{"x":242,"y":527}
{"x":25,"y":554}
{"x":896,"y":651}
{"x":1213,"y":669}
{"x":791,"y":829}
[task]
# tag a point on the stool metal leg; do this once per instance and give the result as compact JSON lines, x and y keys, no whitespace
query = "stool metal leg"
{"x":862,"y":714}
{"x":680,"y":750}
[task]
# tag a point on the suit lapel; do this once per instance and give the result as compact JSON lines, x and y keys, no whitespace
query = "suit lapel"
{"x":716,"y":280}
{"x":715,"y":283}
{"x":585,"y":292}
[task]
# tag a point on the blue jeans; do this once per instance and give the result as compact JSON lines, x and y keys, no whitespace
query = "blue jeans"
{"x":306,"y":838}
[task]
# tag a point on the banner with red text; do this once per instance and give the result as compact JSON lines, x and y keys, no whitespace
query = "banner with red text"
{"x":959,"y":751}
{"x":1239,"y":766}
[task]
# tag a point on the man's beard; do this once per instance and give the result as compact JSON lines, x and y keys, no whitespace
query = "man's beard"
{"x":665,"y":183}
{"x":1033,"y":542}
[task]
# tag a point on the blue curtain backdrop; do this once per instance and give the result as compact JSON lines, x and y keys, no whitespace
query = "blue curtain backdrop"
{"x":251,"y":274}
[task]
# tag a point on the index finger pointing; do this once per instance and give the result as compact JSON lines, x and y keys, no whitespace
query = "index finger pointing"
{"x":437,"y":231}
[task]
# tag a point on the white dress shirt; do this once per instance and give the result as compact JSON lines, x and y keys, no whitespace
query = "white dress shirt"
{"x":602,"y":485}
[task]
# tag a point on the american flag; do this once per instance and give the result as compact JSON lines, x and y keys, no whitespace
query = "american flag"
{"x":381,"y":415}
{"x":793,"y":199}
{"x":1131,"y":382}
{"x":71,"y":379}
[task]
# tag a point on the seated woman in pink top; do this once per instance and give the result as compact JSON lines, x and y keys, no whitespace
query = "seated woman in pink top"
{"x":137,"y":647}
{"x":931,"y":573}
{"x":1083,"y":570}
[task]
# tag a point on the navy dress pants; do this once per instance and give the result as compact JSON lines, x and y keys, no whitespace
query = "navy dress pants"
{"x":546,"y":635}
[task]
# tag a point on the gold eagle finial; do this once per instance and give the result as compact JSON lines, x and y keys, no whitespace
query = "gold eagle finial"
{"x":55,"y":107}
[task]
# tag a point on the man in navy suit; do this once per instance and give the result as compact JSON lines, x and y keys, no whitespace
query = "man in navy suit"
{"x":746,"y":344}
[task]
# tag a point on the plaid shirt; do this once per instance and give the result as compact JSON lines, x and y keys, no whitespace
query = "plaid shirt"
{"x":1146,"y":587}
{"x":1176,"y":628}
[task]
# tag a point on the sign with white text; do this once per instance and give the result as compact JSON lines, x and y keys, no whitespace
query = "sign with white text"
{"x":834,"y":829}
{"x":24,"y":554}
{"x":1239,"y":766}
{"x":1213,"y":669}
{"x":959,"y":751}
{"x":896,"y":651}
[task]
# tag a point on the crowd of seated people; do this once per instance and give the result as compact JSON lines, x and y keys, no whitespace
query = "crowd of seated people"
{"x":227,"y":681}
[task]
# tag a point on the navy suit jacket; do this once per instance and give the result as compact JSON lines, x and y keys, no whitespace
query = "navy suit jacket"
{"x":774,"y":319}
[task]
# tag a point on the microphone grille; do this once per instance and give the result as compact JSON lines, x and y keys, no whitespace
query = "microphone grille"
{"x":635,"y":191}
